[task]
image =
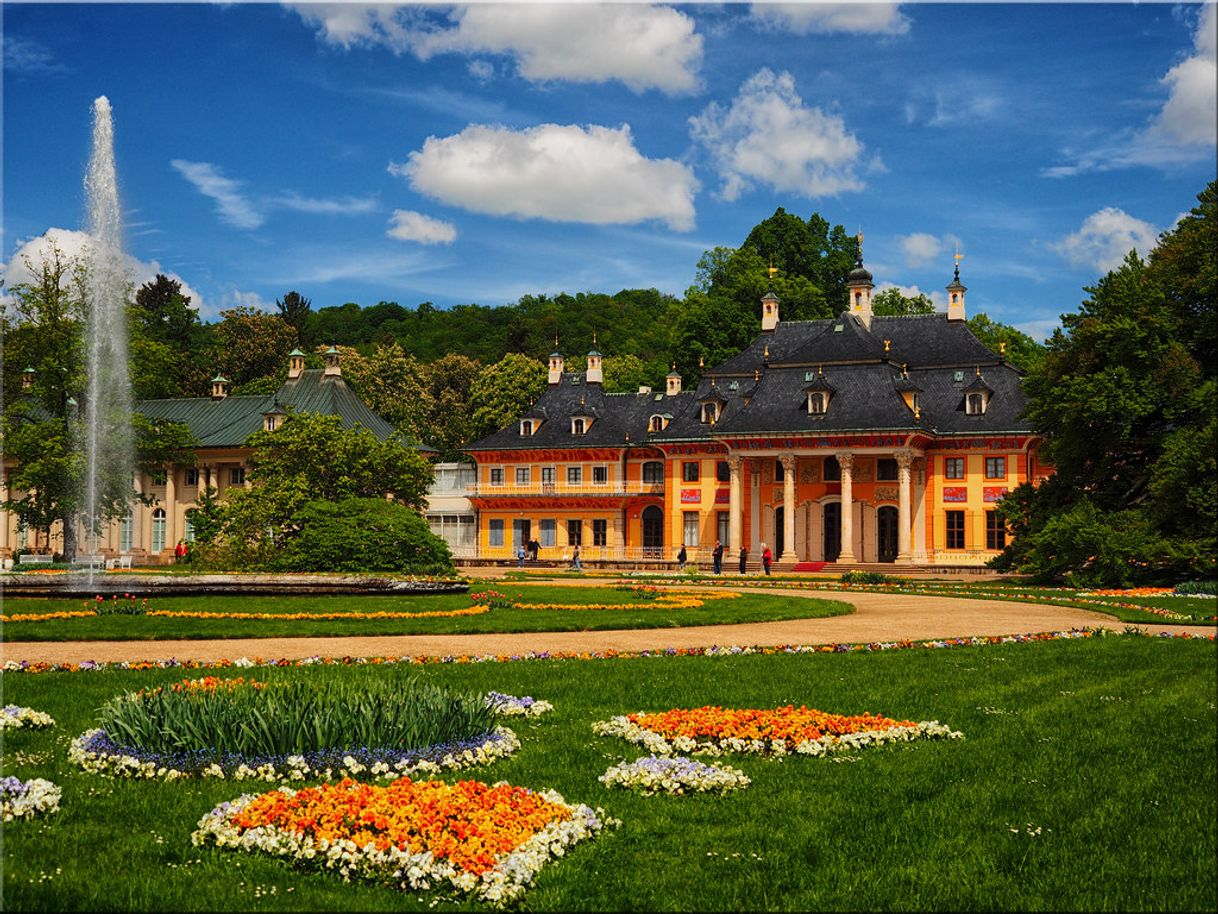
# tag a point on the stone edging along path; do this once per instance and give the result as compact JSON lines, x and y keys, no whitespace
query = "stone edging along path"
{"x":876,"y":617}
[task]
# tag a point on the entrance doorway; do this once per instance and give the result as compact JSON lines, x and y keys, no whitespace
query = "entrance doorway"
{"x":653,"y":532}
{"x":886,"y":534}
{"x":779,"y":533}
{"x":833,"y":531}
{"x":521,"y":533}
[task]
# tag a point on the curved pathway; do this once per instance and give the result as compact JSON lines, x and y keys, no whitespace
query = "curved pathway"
{"x":877,"y":617}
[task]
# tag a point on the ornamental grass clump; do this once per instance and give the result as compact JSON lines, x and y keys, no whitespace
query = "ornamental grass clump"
{"x":215,"y":726}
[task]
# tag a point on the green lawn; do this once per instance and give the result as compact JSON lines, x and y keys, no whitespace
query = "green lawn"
{"x":357,"y":610}
{"x":1086,"y":781}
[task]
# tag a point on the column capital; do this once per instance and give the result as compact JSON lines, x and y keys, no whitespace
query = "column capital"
{"x":788,"y":463}
{"x":735,"y":463}
{"x":845,"y":460}
{"x":905,"y":458}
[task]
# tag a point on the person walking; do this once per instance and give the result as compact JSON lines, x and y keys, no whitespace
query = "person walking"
{"x":520,"y":553}
{"x":717,"y":555}
{"x":575,"y":565}
{"x":179,"y":552}
{"x":744,"y":559}
{"x":681,"y":558}
{"x":766,"y":557}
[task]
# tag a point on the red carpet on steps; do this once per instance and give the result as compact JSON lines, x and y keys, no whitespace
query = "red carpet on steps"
{"x":808,"y":566}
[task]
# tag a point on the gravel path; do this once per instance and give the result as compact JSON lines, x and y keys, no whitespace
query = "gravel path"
{"x":877,"y":617}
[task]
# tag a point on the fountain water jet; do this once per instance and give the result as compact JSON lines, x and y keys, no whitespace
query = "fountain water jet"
{"x":108,"y":448}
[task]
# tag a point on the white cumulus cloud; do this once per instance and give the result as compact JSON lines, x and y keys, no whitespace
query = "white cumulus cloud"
{"x":74,"y":246}
{"x":232,"y":205}
{"x":1105,"y":238}
{"x":920,"y":248}
{"x":642,"y":46}
{"x":407,"y":225}
{"x":827,"y":18}
{"x":768,"y":135}
{"x":335,"y":206}
{"x":558,"y":172}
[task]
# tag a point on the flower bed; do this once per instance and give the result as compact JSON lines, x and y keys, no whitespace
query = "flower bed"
{"x":244,"y":616}
{"x":15,"y":717}
{"x":802,"y":730}
{"x":674,"y":775}
{"x":27,"y":799}
{"x":512,"y":706}
{"x":482,"y":840}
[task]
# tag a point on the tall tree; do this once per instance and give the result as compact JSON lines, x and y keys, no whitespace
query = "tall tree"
{"x":167,"y":342}
{"x":892,"y":301}
{"x":294,"y":308}
{"x":503,"y":391}
{"x":252,"y":344}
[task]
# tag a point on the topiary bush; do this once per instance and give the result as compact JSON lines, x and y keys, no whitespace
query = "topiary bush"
{"x":361,"y":534}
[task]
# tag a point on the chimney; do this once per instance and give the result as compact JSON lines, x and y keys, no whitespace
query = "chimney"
{"x":219,"y":387}
{"x":594,"y":375}
{"x":296,"y":363}
{"x":332,"y":369}
{"x":556,"y":362}
{"x":674,"y":381}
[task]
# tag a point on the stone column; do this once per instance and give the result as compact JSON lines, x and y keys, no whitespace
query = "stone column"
{"x":171,"y":505}
{"x":904,"y":462}
{"x":788,"y":507}
{"x":846,"y":461}
{"x":735,"y":525}
{"x":919,"y":509}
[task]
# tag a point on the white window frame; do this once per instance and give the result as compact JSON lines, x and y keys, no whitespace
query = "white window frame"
{"x":496,"y":476}
{"x":600,"y":470}
{"x":575,"y":475}
{"x":524,"y":476}
{"x":159,"y":525}
{"x":691,"y":526}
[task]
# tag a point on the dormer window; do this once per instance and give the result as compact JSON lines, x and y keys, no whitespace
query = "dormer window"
{"x":579,"y":426}
{"x":710,"y":413}
{"x":977,"y":396}
{"x":974,"y":404}
{"x":818,"y":403}
{"x":657,"y":423}
{"x":527,"y":427}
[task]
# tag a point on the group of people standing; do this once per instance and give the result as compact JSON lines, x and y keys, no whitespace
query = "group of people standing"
{"x":767,"y":557}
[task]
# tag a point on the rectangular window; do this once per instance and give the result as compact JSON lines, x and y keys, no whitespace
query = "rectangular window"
{"x":995,"y":468}
{"x":689,"y":471}
{"x":691,"y":528}
{"x":723,"y":473}
{"x":188,"y":532}
{"x":653,"y":473}
{"x":523,"y":475}
{"x":236,"y":476}
{"x":955,"y":529}
{"x":496,"y":530}
{"x":600,"y":476}
{"x":575,"y":532}
{"x":548,"y":535}
{"x":496,"y":476}
{"x":886,"y":470}
{"x":547,"y":476}
{"x":723,"y":525}
{"x":995,"y":531}
{"x":158,"y":477}
{"x":192,"y":477}
{"x":953,"y":467}
{"x":600,"y":533}
{"x":126,"y":530}
{"x":779,"y":473}
{"x":575,"y":476}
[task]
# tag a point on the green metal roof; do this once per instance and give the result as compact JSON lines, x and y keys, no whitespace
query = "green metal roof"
{"x":227,"y":422}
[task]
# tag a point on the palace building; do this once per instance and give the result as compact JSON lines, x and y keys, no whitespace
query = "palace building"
{"x":858,"y":439}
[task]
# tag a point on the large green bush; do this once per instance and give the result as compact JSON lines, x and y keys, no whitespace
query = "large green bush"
{"x":360,"y":534}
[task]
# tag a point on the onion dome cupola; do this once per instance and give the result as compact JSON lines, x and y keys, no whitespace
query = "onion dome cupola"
{"x":556,"y":364}
{"x":955,"y":293}
{"x":859,"y":286}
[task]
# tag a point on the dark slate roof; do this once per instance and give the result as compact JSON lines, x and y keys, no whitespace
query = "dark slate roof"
{"x":229,"y":421}
{"x":769,"y":395}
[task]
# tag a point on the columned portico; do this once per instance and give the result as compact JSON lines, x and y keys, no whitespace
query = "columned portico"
{"x":788,"y":507}
{"x":904,"y":462}
{"x":735,"y":506}
{"x":845,"y":460}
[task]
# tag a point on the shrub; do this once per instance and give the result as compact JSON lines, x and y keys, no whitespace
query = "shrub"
{"x":360,"y":534}
{"x":1188,"y":588}
{"x":867,"y":577}
{"x":211,"y":719}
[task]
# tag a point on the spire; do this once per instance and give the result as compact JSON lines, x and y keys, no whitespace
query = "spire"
{"x":858,"y":287}
{"x":955,"y":291}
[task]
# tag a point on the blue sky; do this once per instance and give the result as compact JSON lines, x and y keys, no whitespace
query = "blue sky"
{"x":460,"y":154}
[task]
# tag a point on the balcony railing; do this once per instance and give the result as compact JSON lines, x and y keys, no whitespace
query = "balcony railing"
{"x":613,"y":487}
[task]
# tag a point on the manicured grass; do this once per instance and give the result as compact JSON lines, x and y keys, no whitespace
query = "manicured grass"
{"x":1126,"y":608}
{"x":1085,"y":781}
{"x":357,"y":610}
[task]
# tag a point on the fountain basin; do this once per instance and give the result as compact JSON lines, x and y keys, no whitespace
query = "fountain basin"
{"x":77,"y":584}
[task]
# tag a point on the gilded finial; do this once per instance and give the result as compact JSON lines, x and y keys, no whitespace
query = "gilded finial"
{"x":905,"y":369}
{"x":820,"y":371}
{"x":766,"y":354}
{"x":701,"y":363}
{"x":887,"y":345}
{"x":1002,"y":347}
{"x":958,"y":256}
{"x":771,"y":269}
{"x":756,"y":375}
{"x":917,"y":411}
{"x":978,"y":371}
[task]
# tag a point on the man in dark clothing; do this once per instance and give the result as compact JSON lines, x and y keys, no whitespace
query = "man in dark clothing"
{"x":681,"y":557}
{"x":744,"y":558}
{"x":717,"y":555}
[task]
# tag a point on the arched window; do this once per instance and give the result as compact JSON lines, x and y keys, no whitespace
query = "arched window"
{"x":577,"y":426}
{"x":158,"y":530}
{"x":526,"y":427}
{"x":710,"y":412}
{"x":656,"y":424}
{"x":653,"y":472}
{"x":974,"y":404}
{"x":817,"y":403}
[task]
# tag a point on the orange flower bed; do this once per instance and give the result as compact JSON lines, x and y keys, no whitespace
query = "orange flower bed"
{"x":468,"y":823}
{"x":790,"y":724}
